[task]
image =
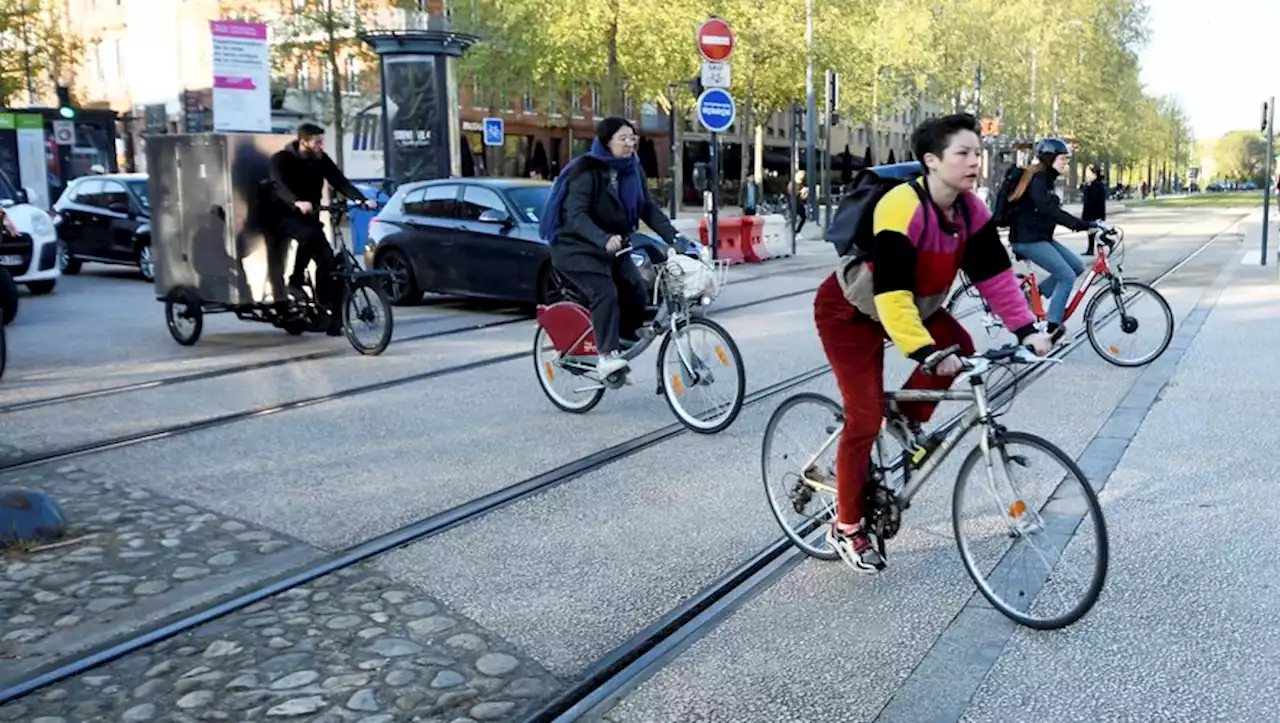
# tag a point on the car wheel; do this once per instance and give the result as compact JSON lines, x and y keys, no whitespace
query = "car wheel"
{"x":146,"y":262}
{"x":67,"y":264}
{"x":42,"y":287}
{"x":402,"y":288}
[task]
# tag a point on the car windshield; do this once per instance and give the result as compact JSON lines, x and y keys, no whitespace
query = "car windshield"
{"x":529,"y":201}
{"x":140,"y":188}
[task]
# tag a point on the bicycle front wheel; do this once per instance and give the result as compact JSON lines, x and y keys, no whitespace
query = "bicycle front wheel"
{"x":1030,"y":531}
{"x":366,"y":318}
{"x":1129,"y":324}
{"x":703,"y":377}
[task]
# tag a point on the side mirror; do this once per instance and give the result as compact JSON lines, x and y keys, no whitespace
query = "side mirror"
{"x":23,"y":195}
{"x":700,"y":176}
{"x":493,"y":215}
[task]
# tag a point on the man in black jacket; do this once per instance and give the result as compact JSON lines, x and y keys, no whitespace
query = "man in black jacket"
{"x":298,"y":173}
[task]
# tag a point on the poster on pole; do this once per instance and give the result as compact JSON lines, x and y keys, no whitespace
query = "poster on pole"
{"x":33,"y":168}
{"x":241,"y":77}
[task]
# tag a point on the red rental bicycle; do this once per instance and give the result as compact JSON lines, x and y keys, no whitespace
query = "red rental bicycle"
{"x":1138,"y":306}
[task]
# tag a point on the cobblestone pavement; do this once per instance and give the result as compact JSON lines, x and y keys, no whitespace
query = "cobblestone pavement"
{"x":352,"y":646}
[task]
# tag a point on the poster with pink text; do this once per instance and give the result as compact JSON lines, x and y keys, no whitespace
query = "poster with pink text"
{"x":241,"y":77}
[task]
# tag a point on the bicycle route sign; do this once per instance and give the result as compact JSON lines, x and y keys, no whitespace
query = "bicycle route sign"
{"x":716,"y":110}
{"x":494,"y":132}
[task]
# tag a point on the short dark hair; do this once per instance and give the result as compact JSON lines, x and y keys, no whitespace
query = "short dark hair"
{"x":307,"y":131}
{"x":934,"y":135}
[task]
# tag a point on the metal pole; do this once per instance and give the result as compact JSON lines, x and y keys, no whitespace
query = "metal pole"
{"x":715,"y":195}
{"x":811,"y":110}
{"x":795,"y":188}
{"x":671,"y":171}
{"x":826,"y":156}
{"x":1033,"y":132}
{"x":1269,"y":118}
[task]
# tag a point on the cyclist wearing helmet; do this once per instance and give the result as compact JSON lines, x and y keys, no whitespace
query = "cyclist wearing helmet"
{"x":925,"y":231}
{"x":1036,"y":211}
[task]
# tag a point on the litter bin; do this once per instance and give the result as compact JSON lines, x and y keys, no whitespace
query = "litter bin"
{"x":359,"y":217}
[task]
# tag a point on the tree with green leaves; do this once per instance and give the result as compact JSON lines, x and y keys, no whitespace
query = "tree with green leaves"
{"x":36,"y":52}
{"x":325,"y":32}
{"x":1242,"y":156}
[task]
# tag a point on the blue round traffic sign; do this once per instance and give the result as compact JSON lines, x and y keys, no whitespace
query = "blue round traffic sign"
{"x":716,"y":110}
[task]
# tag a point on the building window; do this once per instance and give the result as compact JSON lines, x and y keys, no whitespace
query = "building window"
{"x":477,"y":100}
{"x":526,"y":103}
{"x":595,"y":101}
{"x":575,"y":104}
{"x":353,"y":74}
{"x":304,"y":75}
{"x":326,"y":77}
{"x":553,"y":106}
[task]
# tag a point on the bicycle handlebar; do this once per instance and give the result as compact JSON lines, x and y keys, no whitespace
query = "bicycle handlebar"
{"x":1020,"y":353}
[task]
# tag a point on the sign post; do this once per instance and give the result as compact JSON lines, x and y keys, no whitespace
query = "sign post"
{"x":241,"y":77}
{"x":716,"y":109}
{"x":494,"y":132}
{"x":1268,"y":125}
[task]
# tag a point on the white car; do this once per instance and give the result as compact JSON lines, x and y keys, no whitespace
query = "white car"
{"x":36,"y":267}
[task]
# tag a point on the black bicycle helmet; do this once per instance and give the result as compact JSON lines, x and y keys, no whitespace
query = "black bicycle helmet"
{"x":1050,"y":148}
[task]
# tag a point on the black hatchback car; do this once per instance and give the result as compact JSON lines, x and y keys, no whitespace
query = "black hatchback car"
{"x":473,"y":237}
{"x":107,"y":219}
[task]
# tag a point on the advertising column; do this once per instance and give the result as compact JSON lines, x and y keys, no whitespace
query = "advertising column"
{"x":241,"y":77}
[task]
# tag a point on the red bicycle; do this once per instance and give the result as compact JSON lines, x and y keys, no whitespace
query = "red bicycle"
{"x":1132,"y":300}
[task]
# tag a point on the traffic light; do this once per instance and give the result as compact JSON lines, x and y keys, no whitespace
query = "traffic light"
{"x":65,"y":108}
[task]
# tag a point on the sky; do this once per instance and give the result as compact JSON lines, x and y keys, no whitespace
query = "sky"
{"x":1221,"y":58}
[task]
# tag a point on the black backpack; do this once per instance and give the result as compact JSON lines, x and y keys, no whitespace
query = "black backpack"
{"x":1000,"y":206}
{"x":852,"y":221}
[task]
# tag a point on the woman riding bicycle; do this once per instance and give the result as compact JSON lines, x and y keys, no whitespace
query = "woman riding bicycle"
{"x":925,"y":232}
{"x":598,"y":201}
{"x":1036,"y":211}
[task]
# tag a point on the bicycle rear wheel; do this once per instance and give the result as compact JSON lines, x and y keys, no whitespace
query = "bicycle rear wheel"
{"x":1034,"y":508}
{"x":366,"y":318}
{"x":798,"y":466}
{"x":1142,"y":331}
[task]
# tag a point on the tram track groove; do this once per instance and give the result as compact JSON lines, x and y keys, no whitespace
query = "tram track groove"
{"x":628,"y":665}
{"x":128,"y":440}
{"x":310,"y":356}
{"x":621,"y":659}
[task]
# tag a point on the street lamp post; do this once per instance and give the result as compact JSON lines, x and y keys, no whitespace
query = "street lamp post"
{"x":811,"y":111}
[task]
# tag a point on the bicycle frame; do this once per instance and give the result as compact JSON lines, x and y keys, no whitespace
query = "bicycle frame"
{"x":978,"y":415}
{"x":1100,"y":268}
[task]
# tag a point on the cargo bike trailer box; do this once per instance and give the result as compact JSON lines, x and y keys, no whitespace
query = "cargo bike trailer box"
{"x":213,"y":253}
{"x":206,"y":219}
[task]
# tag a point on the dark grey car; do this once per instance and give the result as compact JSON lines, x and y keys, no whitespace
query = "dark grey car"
{"x":472,"y":237}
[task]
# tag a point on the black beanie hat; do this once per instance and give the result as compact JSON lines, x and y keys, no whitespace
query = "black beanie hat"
{"x":607,"y":127}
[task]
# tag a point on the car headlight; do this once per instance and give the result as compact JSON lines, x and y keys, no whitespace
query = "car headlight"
{"x":42,"y":226}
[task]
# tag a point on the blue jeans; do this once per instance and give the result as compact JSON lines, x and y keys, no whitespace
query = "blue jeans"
{"x":1064,"y":267}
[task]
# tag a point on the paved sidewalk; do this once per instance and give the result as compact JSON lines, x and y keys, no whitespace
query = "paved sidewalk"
{"x":1194,"y":518}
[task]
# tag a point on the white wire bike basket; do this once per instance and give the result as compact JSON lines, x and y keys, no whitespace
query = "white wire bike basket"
{"x":691,"y":280}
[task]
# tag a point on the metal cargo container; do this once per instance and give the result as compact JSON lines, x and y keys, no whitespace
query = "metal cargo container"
{"x":207,"y":220}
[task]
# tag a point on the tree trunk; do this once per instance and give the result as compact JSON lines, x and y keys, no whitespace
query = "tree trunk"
{"x":613,"y":93}
{"x":339,"y":121}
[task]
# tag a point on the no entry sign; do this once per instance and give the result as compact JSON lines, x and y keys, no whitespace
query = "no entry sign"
{"x":715,"y":39}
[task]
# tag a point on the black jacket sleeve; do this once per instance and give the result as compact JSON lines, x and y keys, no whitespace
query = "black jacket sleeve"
{"x":280,"y":177}
{"x":339,"y":181}
{"x":1046,"y":204}
{"x":578,"y":196}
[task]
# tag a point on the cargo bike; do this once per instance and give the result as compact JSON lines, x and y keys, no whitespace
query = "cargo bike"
{"x":214,"y":255}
